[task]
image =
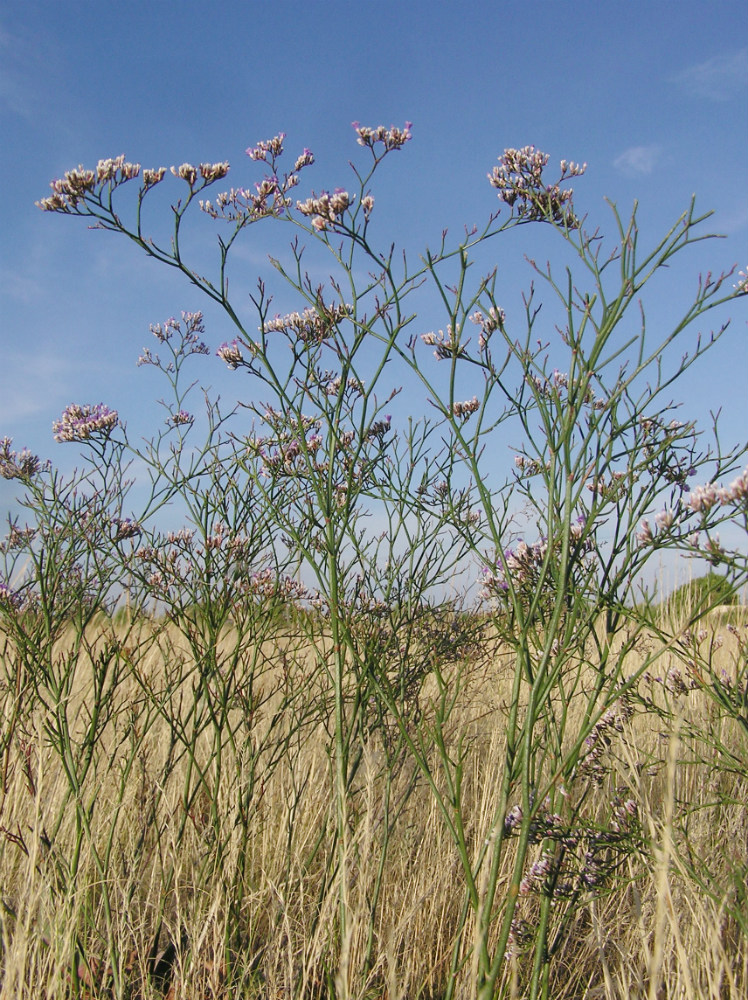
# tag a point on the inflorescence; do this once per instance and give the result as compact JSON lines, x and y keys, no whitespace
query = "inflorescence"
{"x":519,"y":180}
{"x":79,"y":423}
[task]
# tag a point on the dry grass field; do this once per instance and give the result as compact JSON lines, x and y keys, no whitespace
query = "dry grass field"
{"x":181,"y":853}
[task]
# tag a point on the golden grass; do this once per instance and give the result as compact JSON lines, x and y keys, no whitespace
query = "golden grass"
{"x":205,"y":889}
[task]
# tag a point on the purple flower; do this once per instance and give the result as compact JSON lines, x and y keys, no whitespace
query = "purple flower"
{"x":126,"y":528}
{"x":231,"y":354}
{"x":180,"y":417}
{"x":9,"y":598}
{"x":17,"y":465}
{"x":78,"y":423}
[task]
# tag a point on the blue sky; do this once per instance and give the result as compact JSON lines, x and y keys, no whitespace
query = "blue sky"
{"x":654,"y":96}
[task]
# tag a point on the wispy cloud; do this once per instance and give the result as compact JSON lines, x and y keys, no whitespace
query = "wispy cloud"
{"x":717,"y":79}
{"x":34,"y":388}
{"x":637,"y":161}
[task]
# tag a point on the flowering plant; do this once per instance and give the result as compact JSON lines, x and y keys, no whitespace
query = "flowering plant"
{"x":315,"y":586}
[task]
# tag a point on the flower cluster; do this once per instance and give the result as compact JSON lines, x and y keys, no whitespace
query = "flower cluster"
{"x":600,"y":738}
{"x":180,"y":418}
{"x":528,"y":466}
{"x":177,"y":561}
{"x":521,"y":569}
{"x":493,"y":320}
{"x":557,"y":384}
{"x":270,"y":194}
{"x":116,"y":170}
{"x":663,"y":447}
{"x":664,"y":521}
{"x":327,"y":209}
{"x":72,"y":189}
{"x":9,"y":598}
{"x":333,"y":384}
{"x":153,"y":177}
{"x":741,"y":285}
{"x":391,"y":138}
{"x":311,"y":326}
{"x":703,"y":498}
{"x":288,"y":457}
{"x":17,"y":465}
{"x":231,"y":354}
{"x":17,"y":538}
{"x":519,"y":180}
{"x":268,"y":148}
{"x":79,"y":423}
{"x":447,"y":345}
{"x":522,"y":565}
{"x":464,"y":410}
{"x":241,"y":205}
{"x":609,"y":490}
{"x":378,"y":428}
{"x":189,"y":338}
{"x":266,"y":583}
{"x":209,"y":172}
{"x":126,"y":528}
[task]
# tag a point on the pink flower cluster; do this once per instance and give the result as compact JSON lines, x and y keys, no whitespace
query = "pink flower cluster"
{"x":703,"y":498}
{"x":76,"y":184}
{"x":523,"y":564}
{"x":79,"y":423}
{"x":125,"y":528}
{"x":556,"y":384}
{"x":312,"y":325}
{"x":494,"y":320}
{"x":189,"y":337}
{"x":446,"y":344}
{"x":327,"y":209}
{"x":391,"y":138}
{"x":231,"y":354}
{"x":9,"y":598}
{"x":208,"y":171}
{"x":266,"y":583}
{"x":17,"y":465}
{"x":239,"y":204}
{"x":519,"y":180}
{"x":268,"y":148}
{"x":270,"y":195}
{"x":464,"y":410}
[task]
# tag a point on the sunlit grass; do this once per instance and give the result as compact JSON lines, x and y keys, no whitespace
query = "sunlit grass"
{"x":664,"y":924}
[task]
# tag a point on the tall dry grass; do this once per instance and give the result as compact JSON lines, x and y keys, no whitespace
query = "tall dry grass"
{"x":205,"y":901}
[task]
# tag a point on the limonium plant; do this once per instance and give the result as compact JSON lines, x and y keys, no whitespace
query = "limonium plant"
{"x":310,"y":588}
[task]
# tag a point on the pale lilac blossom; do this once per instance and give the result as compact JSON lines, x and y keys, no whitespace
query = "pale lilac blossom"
{"x":231,"y":354}
{"x":268,"y":147}
{"x":312,"y":325}
{"x":10,"y":598}
{"x":79,"y":423}
{"x":519,"y":181}
{"x":17,"y":465}
{"x":446,"y":344}
{"x":390,"y":138}
{"x":466,"y":409}
{"x":180,"y":418}
{"x":187,"y":172}
{"x":327,"y":209}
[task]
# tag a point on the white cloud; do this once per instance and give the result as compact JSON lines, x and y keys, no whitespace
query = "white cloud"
{"x":717,"y":79}
{"x":637,"y":161}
